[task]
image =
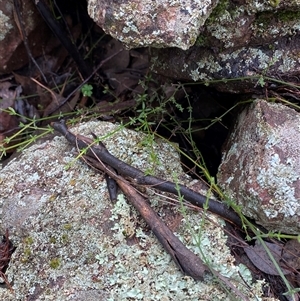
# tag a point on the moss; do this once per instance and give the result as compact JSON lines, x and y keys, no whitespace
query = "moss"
{"x":52,"y":197}
{"x":28,"y":240}
{"x":288,"y":16}
{"x":274,"y":3}
{"x":266,"y":18}
{"x":67,"y":227}
{"x":55,"y":263}
{"x":52,"y":240}
{"x":271,"y":47}
{"x":26,"y":255}
{"x":64,"y":238}
{"x":201,"y":40}
{"x":222,"y":6}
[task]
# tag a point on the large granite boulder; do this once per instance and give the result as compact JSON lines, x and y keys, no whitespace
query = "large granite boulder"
{"x":73,"y":243}
{"x":159,"y":23}
{"x":235,"y":39}
{"x":261,"y":163}
{"x":243,"y":40}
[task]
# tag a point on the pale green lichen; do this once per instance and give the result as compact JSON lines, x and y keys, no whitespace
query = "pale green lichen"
{"x":153,"y":23}
{"x":267,"y":168}
{"x":264,"y":61}
{"x":208,"y":63}
{"x":5,"y":25}
{"x":98,"y":255}
{"x":276,"y":24}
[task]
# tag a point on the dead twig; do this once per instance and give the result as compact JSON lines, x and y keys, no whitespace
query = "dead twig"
{"x":189,"y":263}
{"x":139,"y":177}
{"x":186,"y":260}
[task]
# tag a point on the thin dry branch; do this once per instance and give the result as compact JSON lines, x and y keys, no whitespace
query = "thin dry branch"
{"x":189,"y":263}
{"x":139,"y":177}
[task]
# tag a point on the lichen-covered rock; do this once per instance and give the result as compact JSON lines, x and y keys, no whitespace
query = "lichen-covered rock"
{"x":261,"y":164}
{"x":156,"y":23}
{"x":74,"y":244}
{"x":13,"y":54}
{"x":239,"y":40}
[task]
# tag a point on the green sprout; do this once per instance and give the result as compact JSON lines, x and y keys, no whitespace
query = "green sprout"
{"x":87,"y":90}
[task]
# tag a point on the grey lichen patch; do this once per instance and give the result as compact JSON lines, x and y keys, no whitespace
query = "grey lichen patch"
{"x":5,"y":25}
{"x":77,"y":243}
{"x":235,"y":26}
{"x":229,"y":65}
{"x":281,"y":176}
{"x":220,"y":259}
{"x":260,"y":170}
{"x":277,"y":24}
{"x":206,"y":63}
{"x":239,"y":41}
{"x":152,"y":23}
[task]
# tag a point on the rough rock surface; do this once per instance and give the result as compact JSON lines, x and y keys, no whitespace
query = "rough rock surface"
{"x":240,"y":39}
{"x":74,"y":244}
{"x":13,"y":54}
{"x":159,"y":23}
{"x":261,"y":163}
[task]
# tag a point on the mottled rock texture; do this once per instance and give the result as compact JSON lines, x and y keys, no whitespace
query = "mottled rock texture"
{"x":261,"y":163}
{"x":73,"y":243}
{"x":13,"y":54}
{"x":157,"y":23}
{"x":240,"y":39}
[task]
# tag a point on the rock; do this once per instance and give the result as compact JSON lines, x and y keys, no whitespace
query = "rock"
{"x":159,"y":23}
{"x":239,"y":41}
{"x":13,"y":54}
{"x":74,"y":244}
{"x":261,"y":163}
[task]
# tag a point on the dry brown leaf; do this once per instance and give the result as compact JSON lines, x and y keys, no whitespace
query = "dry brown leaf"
{"x":58,"y":103}
{"x":122,"y":81}
{"x":260,"y":258}
{"x":291,"y":254}
{"x":28,"y":86}
{"x":6,"y":249}
{"x":121,"y":61}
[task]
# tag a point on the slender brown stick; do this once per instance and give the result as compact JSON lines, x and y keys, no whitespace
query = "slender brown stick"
{"x":139,"y":178}
{"x":186,"y":260}
{"x":189,"y":263}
